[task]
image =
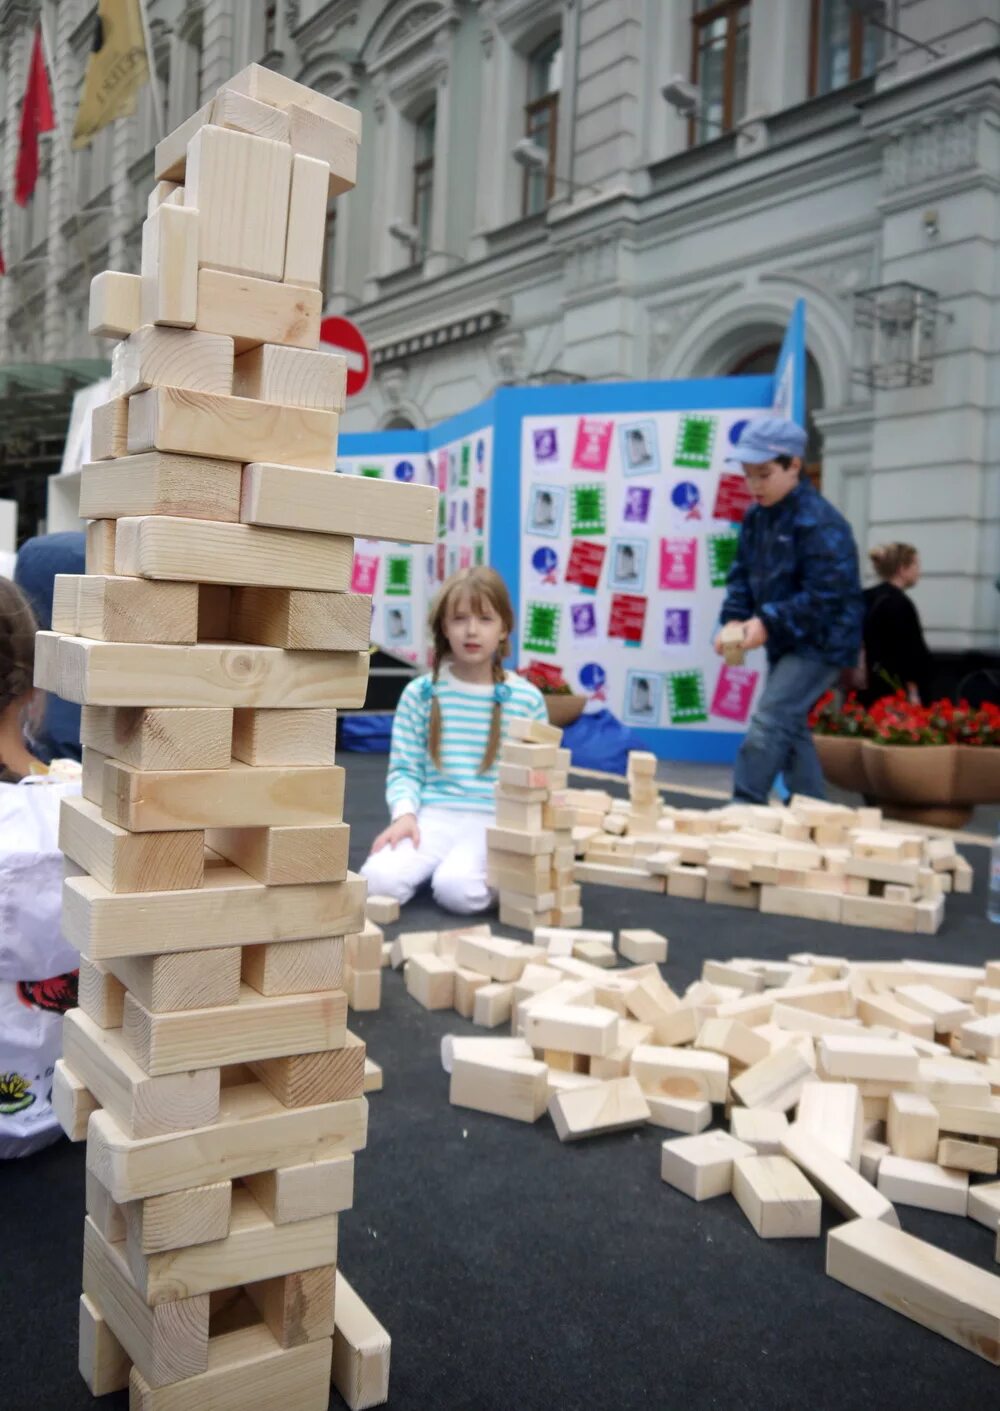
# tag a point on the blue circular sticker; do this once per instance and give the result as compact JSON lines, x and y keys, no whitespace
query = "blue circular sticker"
{"x":592,"y":676}
{"x":545,"y":560}
{"x":685,"y":495}
{"x":736,"y":431}
{"x":404,"y":470}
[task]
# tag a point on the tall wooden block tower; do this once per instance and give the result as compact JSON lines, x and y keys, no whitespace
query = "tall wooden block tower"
{"x":210,"y":644}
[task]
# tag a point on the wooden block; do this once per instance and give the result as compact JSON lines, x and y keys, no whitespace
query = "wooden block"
{"x":410,"y":943}
{"x":230,"y":428}
{"x":270,"y":86}
{"x":805,"y":904}
{"x":641,"y":946}
{"x":108,"y":434}
{"x":468,"y":983}
{"x":282,"y":617}
{"x":297,"y":1307}
{"x":361,"y":1351}
{"x":101,"y":995}
{"x":364,"y":990}
{"x":889,"y":1060}
{"x":912,"y":1127}
{"x":934,"y":1288}
{"x":506,"y":1087}
{"x":776,"y":1198}
{"x":244,"y":114}
{"x":100,"y":546}
{"x":114,"y":304}
{"x":303,"y":1080}
{"x":680,"y":1072}
{"x":492,"y":1004}
{"x":253,"y":311}
{"x":306,"y":230}
{"x":982,"y":1036}
{"x":160,"y":739}
{"x":967,"y":1156}
{"x":970,"y":1121}
{"x":373,"y":1076}
{"x":306,"y":1191}
{"x":230,"y":909}
{"x":596,"y":953}
{"x":285,"y":736}
{"x":246,"y":1366}
{"x":294,"y":377}
{"x":169,"y":266}
{"x":207,"y":674}
{"x":759,"y":1128}
{"x":430,"y":980}
{"x":164,"y":191}
{"x":679,"y":1114}
{"x":104,"y":1363}
{"x":107,"y":1215}
{"x":526,"y":817}
{"x":875,"y":912}
{"x":295,"y":967}
{"x":984,"y":1205}
{"x":702,"y":1166}
{"x":258,"y":1026}
{"x":571,"y":1028}
{"x":688,"y":882}
{"x":92,"y":778}
{"x":381,"y":909}
{"x":239,"y":186}
{"x":174,"y":357}
{"x":533,"y":732}
{"x":199,"y":1215}
{"x":775,"y":1082}
{"x":832,"y":1113}
{"x":119,"y":609}
{"x":872,"y":1153}
{"x":72,"y":1102}
{"x":330,"y":143}
{"x":946,"y":1012}
{"x":238,"y":797}
{"x":924,"y":1184}
{"x":613,"y":1106}
{"x":888,"y":1011}
{"x":735,"y":1040}
{"x":142,"y":1104}
{"x":170,"y":157}
{"x":492,"y":956}
{"x":181,"y":979}
{"x":287,"y":854}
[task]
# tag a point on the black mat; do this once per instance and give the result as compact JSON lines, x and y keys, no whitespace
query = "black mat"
{"x":514,"y":1272}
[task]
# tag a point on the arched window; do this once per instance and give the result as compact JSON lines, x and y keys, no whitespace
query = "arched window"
{"x":541,"y":115}
{"x":423,"y":178}
{"x":762,"y":362}
{"x":399,"y":421}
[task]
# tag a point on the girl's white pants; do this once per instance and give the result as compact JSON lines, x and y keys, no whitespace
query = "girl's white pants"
{"x":452,"y":854}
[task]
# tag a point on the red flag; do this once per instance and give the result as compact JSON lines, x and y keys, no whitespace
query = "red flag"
{"x":36,"y":116}
{"x":3,"y":267}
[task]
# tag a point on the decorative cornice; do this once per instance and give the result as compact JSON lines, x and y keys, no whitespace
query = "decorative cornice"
{"x":932,"y":147}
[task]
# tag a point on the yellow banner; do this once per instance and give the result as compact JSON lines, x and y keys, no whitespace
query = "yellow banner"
{"x":117,"y":68}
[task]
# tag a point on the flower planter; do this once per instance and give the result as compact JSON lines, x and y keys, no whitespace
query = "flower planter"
{"x":910,"y":774}
{"x":564,"y":710}
{"x":978,"y":774}
{"x":840,"y":758}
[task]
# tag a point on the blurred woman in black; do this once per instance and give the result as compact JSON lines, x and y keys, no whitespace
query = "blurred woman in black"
{"x":896,"y":655}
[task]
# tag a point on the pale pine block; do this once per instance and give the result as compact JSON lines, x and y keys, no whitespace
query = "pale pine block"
{"x":108,"y":433}
{"x":606,"y":874}
{"x":680,"y":1072}
{"x":492,"y":1082}
{"x":775,"y":1082}
{"x":170,"y":156}
{"x":361,"y":1351}
{"x":879,"y":913}
{"x":239,"y":186}
{"x":524,"y":816}
{"x":612,"y":1106}
{"x":284,"y":855}
{"x":181,"y":979}
{"x":492,"y":1004}
{"x":924,"y":1184}
{"x":160,"y":739}
{"x":760,"y":1128}
{"x":284,"y":617}
{"x":314,"y":136}
{"x":293,"y":377}
{"x":169,"y":266}
{"x":574,"y":1029}
{"x":984,"y":1205}
{"x":934,"y":1288}
{"x":596,"y":953}
{"x":114,"y":304}
{"x":913,"y":1126}
{"x":776,"y":1198}
{"x":833,"y":1114}
{"x":72,"y":1102}
{"x":100,"y":546}
{"x":306,"y":1191}
{"x":305,"y":1079}
{"x":733,"y":1039}
{"x":690,"y":883}
{"x":297,"y":1307}
{"x":492,"y":956}
{"x":468,"y":983}
{"x":245,"y":114}
{"x":364,"y":990}
{"x":238,"y":797}
{"x":967,"y":1156}
{"x":129,"y":862}
{"x":430,"y":980}
{"x":872,"y":1153}
{"x":285,"y":496}
{"x":381,"y":909}
{"x":285,"y":736}
{"x":529,"y":754}
{"x":295,"y":967}
{"x":193,"y":550}
{"x":702,"y":1166}
{"x":373,"y":1076}
{"x":161,"y":192}
{"x":982,"y":1036}
{"x":230,"y":428}
{"x":800,"y":902}
{"x":891,"y":1013}
{"x":642,"y":946}
{"x":679,"y":1114}
{"x":258,"y":1026}
{"x":114,"y":608}
{"x":101,"y":996}
{"x":411,"y":943}
{"x":884,"y":1060}
{"x":253,"y":311}
{"x":192,"y":486}
{"x":306,"y":232}
{"x":195,"y":1216}
{"x":982,"y":1120}
{"x":270,"y":86}
{"x":175,"y":357}
{"x":104,"y":1363}
{"x":363,"y":950}
{"x":66,"y":602}
{"x":481,"y":1049}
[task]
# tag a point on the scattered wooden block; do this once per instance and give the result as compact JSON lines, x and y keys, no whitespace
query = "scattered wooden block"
{"x":702,"y":1166}
{"x":759,"y":1128}
{"x":253,"y":311}
{"x":982,"y":1036}
{"x":679,"y":1114}
{"x":108,"y":435}
{"x":642,"y":946}
{"x":571,"y":1028}
{"x":924,"y":1184}
{"x":492,"y":956}
{"x":373,"y":1076}
{"x":967,"y":1156}
{"x":946,"y":1012}
{"x":596,"y":953}
{"x":680,"y":1072}
{"x":775,"y":1082}
{"x":776,"y":1198}
{"x":890,"y":1012}
{"x":912,"y":1126}
{"x":361,"y":1351}
{"x":984,"y":1205}
{"x":506,"y":1087}
{"x":364,"y":989}
{"x":833,"y":1114}
{"x":169,"y":266}
{"x":104,"y":1363}
{"x":430,"y":980}
{"x":883,"y":1060}
{"x":839,"y":1183}
{"x":735,"y":1040}
{"x":161,"y":739}
{"x":872,"y":1153}
{"x":381,"y":909}
{"x":114,"y":304}
{"x":613,"y":1106}
{"x":411,"y":943}
{"x":932,"y":1287}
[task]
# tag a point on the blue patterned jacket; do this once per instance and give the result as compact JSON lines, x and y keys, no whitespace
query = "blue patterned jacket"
{"x":796,"y":568}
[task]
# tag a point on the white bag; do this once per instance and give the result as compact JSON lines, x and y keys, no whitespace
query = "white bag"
{"x":32,"y":946}
{"x":30,"y":1043}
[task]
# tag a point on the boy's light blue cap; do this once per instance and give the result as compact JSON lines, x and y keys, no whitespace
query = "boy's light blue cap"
{"x":767,"y":438}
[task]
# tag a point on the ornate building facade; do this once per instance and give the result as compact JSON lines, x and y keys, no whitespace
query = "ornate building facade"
{"x":531,"y":208}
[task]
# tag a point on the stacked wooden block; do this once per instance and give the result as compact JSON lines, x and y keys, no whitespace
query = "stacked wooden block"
{"x":530,"y":851}
{"x":813,"y":860}
{"x":210,"y":644}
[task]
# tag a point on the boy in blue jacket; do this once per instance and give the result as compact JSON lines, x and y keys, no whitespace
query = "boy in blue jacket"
{"x":795,"y":588}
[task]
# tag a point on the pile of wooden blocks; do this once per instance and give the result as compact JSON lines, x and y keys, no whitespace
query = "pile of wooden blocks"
{"x":210,"y":644}
{"x":813,"y":860}
{"x":530,"y":850}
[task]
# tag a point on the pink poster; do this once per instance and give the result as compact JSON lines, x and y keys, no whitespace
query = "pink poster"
{"x":593,"y":442}
{"x":442,"y":471}
{"x":734,"y":693}
{"x":678,"y":564}
{"x":364,"y":573}
{"x":465,"y":556}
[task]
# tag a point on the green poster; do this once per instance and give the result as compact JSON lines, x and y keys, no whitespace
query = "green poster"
{"x":541,"y":630}
{"x":373,"y":472}
{"x":695,"y":439}
{"x":721,"y":552}
{"x":463,"y":474}
{"x":477,"y":555}
{"x":588,"y":515}
{"x":686,"y":690}
{"x":398,"y":574}
{"x":442,"y":517}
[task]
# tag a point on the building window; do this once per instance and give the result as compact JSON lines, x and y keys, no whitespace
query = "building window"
{"x":720,"y":63}
{"x":843,"y":47}
{"x":423,"y":180}
{"x":541,"y":116}
{"x":270,"y":27}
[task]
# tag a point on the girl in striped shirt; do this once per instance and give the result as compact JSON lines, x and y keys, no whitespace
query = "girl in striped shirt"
{"x":446,"y":737}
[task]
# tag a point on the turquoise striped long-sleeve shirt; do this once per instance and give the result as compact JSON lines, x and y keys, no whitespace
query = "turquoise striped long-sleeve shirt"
{"x":414,"y":780}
